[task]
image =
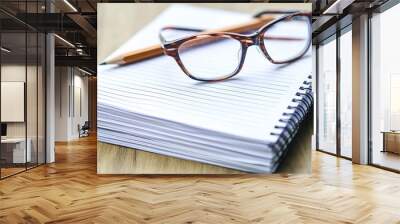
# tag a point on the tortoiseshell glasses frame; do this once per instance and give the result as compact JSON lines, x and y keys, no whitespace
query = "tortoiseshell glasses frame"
{"x":171,"y":48}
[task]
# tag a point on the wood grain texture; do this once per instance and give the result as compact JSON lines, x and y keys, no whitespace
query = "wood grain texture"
{"x":113,"y":159}
{"x":120,"y":160}
{"x":391,"y":142}
{"x":70,"y":191}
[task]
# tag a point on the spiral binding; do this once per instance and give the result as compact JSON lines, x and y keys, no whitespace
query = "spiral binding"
{"x":291,"y":120}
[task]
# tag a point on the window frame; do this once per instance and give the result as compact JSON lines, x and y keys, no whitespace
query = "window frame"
{"x":333,"y":37}
{"x":378,"y":10}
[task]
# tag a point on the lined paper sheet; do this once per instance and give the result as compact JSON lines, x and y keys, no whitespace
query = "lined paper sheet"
{"x":154,"y":106}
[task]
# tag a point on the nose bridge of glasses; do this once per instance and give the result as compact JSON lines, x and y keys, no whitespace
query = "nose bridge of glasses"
{"x":170,"y":51}
{"x":249,"y":40}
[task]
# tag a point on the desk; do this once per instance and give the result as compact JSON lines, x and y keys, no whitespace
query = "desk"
{"x":391,"y":141}
{"x":13,"y":150}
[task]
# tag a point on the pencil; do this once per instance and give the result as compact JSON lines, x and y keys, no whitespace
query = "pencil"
{"x":157,"y":50}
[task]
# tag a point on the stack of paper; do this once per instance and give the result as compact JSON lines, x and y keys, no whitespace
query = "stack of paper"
{"x":243,"y":123}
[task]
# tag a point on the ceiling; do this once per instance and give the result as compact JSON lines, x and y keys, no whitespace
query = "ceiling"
{"x":329,"y":16}
{"x":74,"y":22}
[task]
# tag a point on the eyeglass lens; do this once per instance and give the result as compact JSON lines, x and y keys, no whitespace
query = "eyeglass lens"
{"x":287,"y":39}
{"x":209,"y":57}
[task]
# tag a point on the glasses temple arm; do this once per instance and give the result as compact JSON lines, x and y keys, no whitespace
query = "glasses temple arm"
{"x":283,"y":38}
{"x":260,"y":14}
{"x":162,"y":38}
{"x":271,"y":12}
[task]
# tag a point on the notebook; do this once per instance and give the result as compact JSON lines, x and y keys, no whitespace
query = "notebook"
{"x":244,"y":123}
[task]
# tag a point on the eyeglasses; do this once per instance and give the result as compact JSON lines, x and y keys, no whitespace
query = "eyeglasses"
{"x":219,"y":56}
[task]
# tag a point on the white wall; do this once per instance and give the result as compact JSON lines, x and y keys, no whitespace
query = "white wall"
{"x":14,"y":73}
{"x":62,"y":81}
{"x":13,"y":100}
{"x":79,"y":117}
{"x":71,"y":93}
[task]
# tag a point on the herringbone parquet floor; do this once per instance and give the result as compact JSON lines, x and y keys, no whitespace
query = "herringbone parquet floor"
{"x":69,"y":191}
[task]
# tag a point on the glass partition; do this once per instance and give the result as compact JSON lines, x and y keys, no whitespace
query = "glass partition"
{"x":385,"y":90}
{"x":23,"y":89}
{"x":327,"y":97}
{"x":346,"y":93}
{"x":13,"y":109}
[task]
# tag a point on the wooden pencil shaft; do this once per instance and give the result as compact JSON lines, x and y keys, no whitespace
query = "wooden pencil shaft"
{"x":156,"y":50}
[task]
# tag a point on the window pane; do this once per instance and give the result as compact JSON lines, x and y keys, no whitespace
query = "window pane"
{"x":385,"y":84}
{"x":327,"y":97}
{"x":345,"y":94}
